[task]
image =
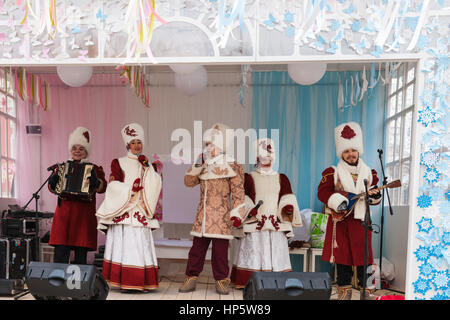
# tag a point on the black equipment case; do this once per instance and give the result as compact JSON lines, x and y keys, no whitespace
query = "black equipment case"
{"x":14,"y":257}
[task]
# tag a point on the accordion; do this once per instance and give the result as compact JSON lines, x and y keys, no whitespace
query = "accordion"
{"x":74,"y":182}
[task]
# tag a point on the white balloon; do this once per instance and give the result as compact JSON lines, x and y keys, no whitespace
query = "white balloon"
{"x":193,"y":83}
{"x":74,"y":76}
{"x":307,"y":73}
{"x":184,"y":68}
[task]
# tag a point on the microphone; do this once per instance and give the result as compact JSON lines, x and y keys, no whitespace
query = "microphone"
{"x":143,"y":160}
{"x":259,"y":204}
{"x":53,"y":167}
{"x":200,"y":161}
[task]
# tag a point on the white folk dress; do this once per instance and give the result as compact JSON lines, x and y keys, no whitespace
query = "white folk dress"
{"x":128,"y":215}
{"x":263,"y":239}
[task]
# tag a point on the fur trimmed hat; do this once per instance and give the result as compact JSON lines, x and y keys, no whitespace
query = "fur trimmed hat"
{"x":348,"y":136}
{"x":217,"y":136}
{"x":81,"y":136}
{"x":264,"y":149}
{"x":131,"y":132}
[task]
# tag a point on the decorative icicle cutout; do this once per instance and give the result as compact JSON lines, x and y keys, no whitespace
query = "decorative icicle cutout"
{"x":364,"y":84}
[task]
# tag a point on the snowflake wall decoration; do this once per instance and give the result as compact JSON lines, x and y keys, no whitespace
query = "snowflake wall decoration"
{"x":422,"y":253}
{"x":425,"y":224}
{"x":421,"y":286}
{"x":440,"y":279}
{"x":432,"y":175}
{"x":429,"y":159}
{"x":423,"y":201}
{"x":427,"y":116}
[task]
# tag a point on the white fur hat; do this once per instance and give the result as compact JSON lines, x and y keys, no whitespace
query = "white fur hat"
{"x":81,"y":136}
{"x":348,"y":136}
{"x":133,"y":131}
{"x":217,"y":136}
{"x":264,"y":148}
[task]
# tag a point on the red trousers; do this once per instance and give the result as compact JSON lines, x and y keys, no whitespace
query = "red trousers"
{"x":219,"y":257}
{"x":350,"y":241}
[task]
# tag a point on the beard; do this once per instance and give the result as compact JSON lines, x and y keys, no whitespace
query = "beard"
{"x":351,"y":161}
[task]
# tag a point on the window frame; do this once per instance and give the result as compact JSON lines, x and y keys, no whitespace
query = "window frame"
{"x":394,"y":163}
{"x":11,"y":187}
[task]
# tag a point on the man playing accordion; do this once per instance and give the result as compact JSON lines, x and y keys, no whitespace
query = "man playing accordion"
{"x":74,"y":225}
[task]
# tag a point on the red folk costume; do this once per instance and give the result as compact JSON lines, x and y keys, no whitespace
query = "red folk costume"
{"x":344,"y":240}
{"x":74,"y":222}
{"x":127,"y":214}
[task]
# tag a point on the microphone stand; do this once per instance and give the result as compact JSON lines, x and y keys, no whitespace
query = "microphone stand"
{"x":380,"y":153}
{"x":366,"y":224}
{"x":36,"y":197}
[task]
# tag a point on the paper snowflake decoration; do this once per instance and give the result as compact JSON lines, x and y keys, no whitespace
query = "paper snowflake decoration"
{"x":425,"y":224}
{"x":447,"y":293}
{"x":439,"y":297}
{"x":426,"y":116}
{"x":422,"y":253}
{"x":426,"y":269}
{"x":421,"y":286}
{"x":429,"y":159}
{"x":437,"y":251}
{"x":441,"y":280}
{"x":446,"y":238}
{"x":432,"y":175}
{"x":423,"y":201}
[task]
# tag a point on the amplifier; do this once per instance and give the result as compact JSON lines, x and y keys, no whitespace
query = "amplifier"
{"x":288,"y":286}
{"x":13,"y":227}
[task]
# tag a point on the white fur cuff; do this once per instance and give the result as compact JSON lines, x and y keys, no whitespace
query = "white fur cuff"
{"x":335,"y":200}
{"x":194,"y":171}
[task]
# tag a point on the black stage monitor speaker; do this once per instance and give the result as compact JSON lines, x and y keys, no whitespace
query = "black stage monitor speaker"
{"x":288,"y":286}
{"x":59,"y":281}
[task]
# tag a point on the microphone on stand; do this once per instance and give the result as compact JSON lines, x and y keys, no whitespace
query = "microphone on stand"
{"x":53,"y":167}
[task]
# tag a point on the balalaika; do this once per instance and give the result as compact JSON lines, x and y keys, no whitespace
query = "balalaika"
{"x":353,"y":198}
{"x":74,"y":180}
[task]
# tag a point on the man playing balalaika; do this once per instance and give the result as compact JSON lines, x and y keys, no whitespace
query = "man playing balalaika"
{"x":344,"y":239}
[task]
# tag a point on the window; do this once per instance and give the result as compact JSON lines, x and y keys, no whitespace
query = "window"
{"x":398,"y":130}
{"x":8,"y":135}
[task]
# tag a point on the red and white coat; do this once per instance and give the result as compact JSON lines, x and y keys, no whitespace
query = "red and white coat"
{"x":344,"y":240}
{"x":123,"y":204}
{"x":275,"y":191}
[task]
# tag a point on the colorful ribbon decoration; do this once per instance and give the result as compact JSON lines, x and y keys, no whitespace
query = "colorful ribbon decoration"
{"x":140,"y":18}
{"x":136,"y":79}
{"x":30,"y":88}
{"x":48,"y":19}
